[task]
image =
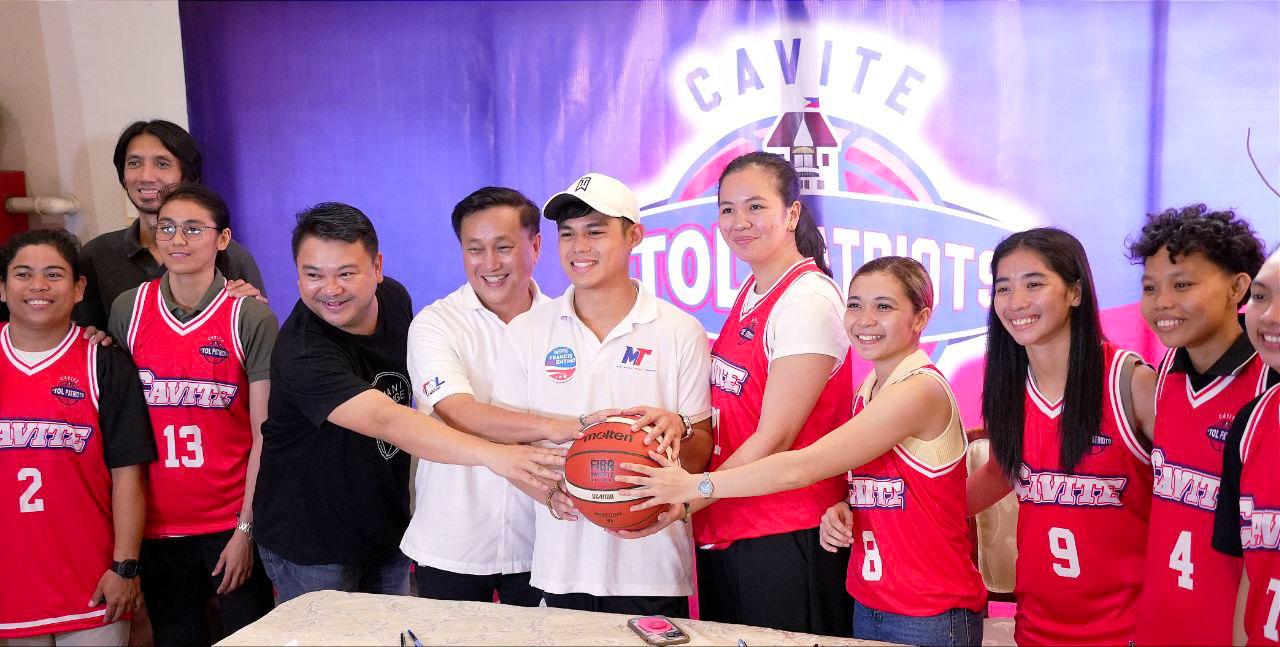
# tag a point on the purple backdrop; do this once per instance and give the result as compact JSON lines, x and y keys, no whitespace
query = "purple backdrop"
{"x":927,"y":128}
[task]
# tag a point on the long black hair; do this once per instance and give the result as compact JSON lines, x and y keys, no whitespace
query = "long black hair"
{"x":809,"y":239}
{"x":1004,"y":390}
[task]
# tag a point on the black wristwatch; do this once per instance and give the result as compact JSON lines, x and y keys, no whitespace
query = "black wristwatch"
{"x":127,"y":569}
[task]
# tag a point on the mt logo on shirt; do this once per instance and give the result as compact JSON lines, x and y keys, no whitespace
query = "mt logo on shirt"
{"x":634,"y":358}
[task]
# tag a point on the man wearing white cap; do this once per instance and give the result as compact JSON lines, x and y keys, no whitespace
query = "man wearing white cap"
{"x":607,"y":343}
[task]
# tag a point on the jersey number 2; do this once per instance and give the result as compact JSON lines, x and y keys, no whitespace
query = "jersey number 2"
{"x":1063,"y":546}
{"x":194,"y":456}
{"x":28,"y":502}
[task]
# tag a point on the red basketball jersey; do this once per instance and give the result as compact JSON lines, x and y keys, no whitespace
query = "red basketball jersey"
{"x":197,"y":393}
{"x":1082,"y":536}
{"x":1190,"y":590}
{"x":739,"y":370}
{"x":55,"y":490}
{"x":1260,"y":519}
{"x":911,"y":550}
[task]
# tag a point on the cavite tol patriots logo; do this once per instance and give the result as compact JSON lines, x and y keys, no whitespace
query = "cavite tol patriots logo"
{"x":844,"y":109}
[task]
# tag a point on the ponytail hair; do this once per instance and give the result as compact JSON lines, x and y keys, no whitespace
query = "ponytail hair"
{"x":809,"y":240}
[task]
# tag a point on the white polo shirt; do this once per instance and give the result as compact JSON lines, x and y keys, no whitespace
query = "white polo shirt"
{"x":657,"y":356}
{"x":465,"y":519}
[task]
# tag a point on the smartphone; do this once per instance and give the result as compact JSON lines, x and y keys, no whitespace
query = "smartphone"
{"x":658,"y":630}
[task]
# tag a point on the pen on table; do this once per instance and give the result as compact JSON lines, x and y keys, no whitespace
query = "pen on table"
{"x":413,"y":638}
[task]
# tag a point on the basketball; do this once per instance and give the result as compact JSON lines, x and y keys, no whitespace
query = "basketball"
{"x":589,"y":471}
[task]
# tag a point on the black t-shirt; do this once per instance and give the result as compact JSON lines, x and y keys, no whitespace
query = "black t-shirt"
{"x":326,"y":494}
{"x":1226,"y":518}
{"x":122,"y":411}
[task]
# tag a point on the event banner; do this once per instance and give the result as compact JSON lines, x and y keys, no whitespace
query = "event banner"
{"x":925,"y":129}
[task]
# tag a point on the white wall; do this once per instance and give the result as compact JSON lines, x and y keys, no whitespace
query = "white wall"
{"x":72,"y":76}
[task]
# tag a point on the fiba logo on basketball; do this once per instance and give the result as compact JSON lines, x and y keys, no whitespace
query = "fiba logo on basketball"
{"x":67,"y":391}
{"x":845,"y":109}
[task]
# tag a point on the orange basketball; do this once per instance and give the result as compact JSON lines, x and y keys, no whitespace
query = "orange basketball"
{"x":591,"y":465}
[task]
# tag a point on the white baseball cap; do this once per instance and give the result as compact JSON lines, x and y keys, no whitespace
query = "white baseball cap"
{"x":600,"y":192}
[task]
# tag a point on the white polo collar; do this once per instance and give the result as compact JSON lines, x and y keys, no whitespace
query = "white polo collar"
{"x":471,"y":300}
{"x":643,"y":311}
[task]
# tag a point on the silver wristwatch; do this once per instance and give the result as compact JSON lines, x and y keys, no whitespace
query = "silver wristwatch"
{"x":246,"y":528}
{"x":705,"y":487}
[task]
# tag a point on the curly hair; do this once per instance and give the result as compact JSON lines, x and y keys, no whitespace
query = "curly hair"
{"x":1221,"y":236}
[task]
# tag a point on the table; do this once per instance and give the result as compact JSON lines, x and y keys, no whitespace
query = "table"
{"x":336,"y":618}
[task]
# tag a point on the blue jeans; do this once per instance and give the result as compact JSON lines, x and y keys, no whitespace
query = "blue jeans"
{"x":954,"y":627}
{"x":389,"y":576}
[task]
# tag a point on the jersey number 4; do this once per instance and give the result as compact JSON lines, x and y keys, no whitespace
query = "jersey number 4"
{"x":1180,"y":560}
{"x":27,"y":501}
{"x":193,"y":454}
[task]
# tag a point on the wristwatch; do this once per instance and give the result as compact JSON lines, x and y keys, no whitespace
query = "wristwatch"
{"x":705,"y":486}
{"x":688,"y":427}
{"x":245,"y":527}
{"x":127,"y":569}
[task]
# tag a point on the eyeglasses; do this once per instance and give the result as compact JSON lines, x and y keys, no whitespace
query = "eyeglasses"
{"x":192,"y":231}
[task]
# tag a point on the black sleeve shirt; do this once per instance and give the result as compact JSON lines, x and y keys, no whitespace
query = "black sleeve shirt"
{"x":326,"y":494}
{"x":122,"y":411}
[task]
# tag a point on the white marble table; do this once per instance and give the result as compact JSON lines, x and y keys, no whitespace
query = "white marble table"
{"x":335,"y":618}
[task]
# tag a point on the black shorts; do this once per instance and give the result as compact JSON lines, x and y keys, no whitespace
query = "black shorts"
{"x":632,"y":605}
{"x":786,"y":582}
{"x":177,"y":585}
{"x":509,"y":588}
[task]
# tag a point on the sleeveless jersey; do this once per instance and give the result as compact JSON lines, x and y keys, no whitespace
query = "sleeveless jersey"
{"x":1190,"y":590}
{"x":55,"y":490}
{"x":1082,"y":536}
{"x":739,"y":370}
{"x":197,"y":393}
{"x":1260,"y":519}
{"x":911,"y":551}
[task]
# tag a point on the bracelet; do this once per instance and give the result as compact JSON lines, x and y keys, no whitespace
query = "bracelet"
{"x":687,"y":513}
{"x":582,"y":421}
{"x":551,"y":492}
{"x":688,"y":428}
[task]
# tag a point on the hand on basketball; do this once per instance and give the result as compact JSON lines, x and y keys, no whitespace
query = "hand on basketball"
{"x":663,"y":485}
{"x":235,"y":563}
{"x":563,"y":505}
{"x":526,"y":464}
{"x":569,"y":429}
{"x":242,"y":288}
{"x":121,"y":596}
{"x":836,"y":531}
{"x":666,"y":518}
{"x":95,"y":336}
{"x":665,"y":426}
